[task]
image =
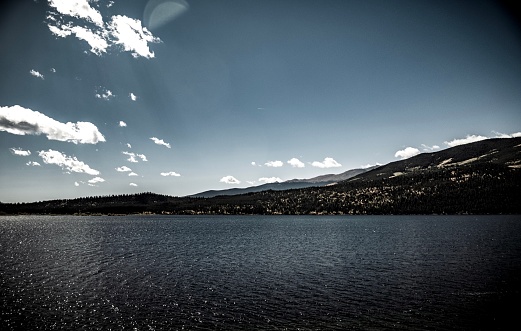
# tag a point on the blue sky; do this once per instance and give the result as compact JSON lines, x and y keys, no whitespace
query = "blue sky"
{"x":178,"y":97}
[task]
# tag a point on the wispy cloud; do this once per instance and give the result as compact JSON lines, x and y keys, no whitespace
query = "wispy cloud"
{"x":171,"y":173}
{"x":103,"y":93}
{"x":68,"y":163}
{"x":132,"y":174}
{"x":20,"y":152}
{"x":407,"y":152}
{"x":123,"y":169}
{"x":160,"y":142}
{"x":274,"y":164}
{"x":122,"y":124}
{"x":21,"y":121}
{"x":328,"y":162}
{"x":132,"y":96}
{"x":132,"y":184}
{"x":120,"y":31}
{"x":229,"y":180}
{"x":33,"y":164}
{"x":270,"y":180}
{"x":296,"y":163}
{"x":36,"y":74}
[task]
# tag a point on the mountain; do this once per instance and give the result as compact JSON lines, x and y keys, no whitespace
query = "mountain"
{"x":286,"y":185}
{"x":478,"y":178}
{"x":499,"y":151}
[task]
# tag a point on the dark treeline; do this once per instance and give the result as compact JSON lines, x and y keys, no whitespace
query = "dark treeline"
{"x":482,"y":188}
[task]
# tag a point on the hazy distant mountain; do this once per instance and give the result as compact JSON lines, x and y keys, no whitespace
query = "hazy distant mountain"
{"x":286,"y":185}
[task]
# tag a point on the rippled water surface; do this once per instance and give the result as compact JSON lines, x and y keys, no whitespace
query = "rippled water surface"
{"x":260,"y":272}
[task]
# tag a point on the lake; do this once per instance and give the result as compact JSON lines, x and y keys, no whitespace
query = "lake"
{"x":260,"y":272}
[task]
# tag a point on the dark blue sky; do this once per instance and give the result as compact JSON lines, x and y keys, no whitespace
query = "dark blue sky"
{"x":229,"y":91}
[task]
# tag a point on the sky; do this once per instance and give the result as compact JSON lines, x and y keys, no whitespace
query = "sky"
{"x":178,"y":97}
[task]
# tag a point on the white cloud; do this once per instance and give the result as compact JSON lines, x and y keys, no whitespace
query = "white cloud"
{"x":427,"y":148}
{"x":365,"y":166}
{"x":327,"y":163}
{"x":33,"y":164}
{"x":160,"y":142}
{"x":466,"y":140}
{"x":20,"y":152}
{"x":105,"y":94}
{"x":132,"y":184}
{"x":129,"y":145}
{"x":274,"y":164}
{"x":78,"y":9}
{"x":270,"y":180}
{"x":60,"y":32}
{"x":130,"y":34}
{"x":120,"y":31}
{"x":229,"y":180}
{"x":76,"y":184}
{"x":296,"y":163}
{"x":96,"y":180}
{"x":407,"y":153}
{"x":131,"y":157}
{"x":253,"y":163}
{"x":21,"y":121}
{"x":132,"y":174}
{"x":506,"y":135}
{"x":66,"y":162}
{"x":123,"y":169}
{"x":132,"y":96}
{"x":52,"y":70}
{"x":97,"y":42}
{"x":171,"y":173}
{"x":122,"y":124}
{"x":36,"y":74}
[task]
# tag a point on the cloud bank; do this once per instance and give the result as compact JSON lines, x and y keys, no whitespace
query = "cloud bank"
{"x":68,"y":163}
{"x":23,"y":121}
{"x":407,"y":153}
{"x":327,"y":163}
{"x":296,"y":163}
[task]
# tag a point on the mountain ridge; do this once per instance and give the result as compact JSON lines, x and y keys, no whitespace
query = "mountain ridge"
{"x":285,"y":185}
{"x":478,"y":178}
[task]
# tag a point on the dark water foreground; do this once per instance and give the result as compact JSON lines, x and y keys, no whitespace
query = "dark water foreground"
{"x":260,"y":273}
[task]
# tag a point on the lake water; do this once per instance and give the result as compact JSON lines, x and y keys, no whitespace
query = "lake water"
{"x":260,"y":272}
